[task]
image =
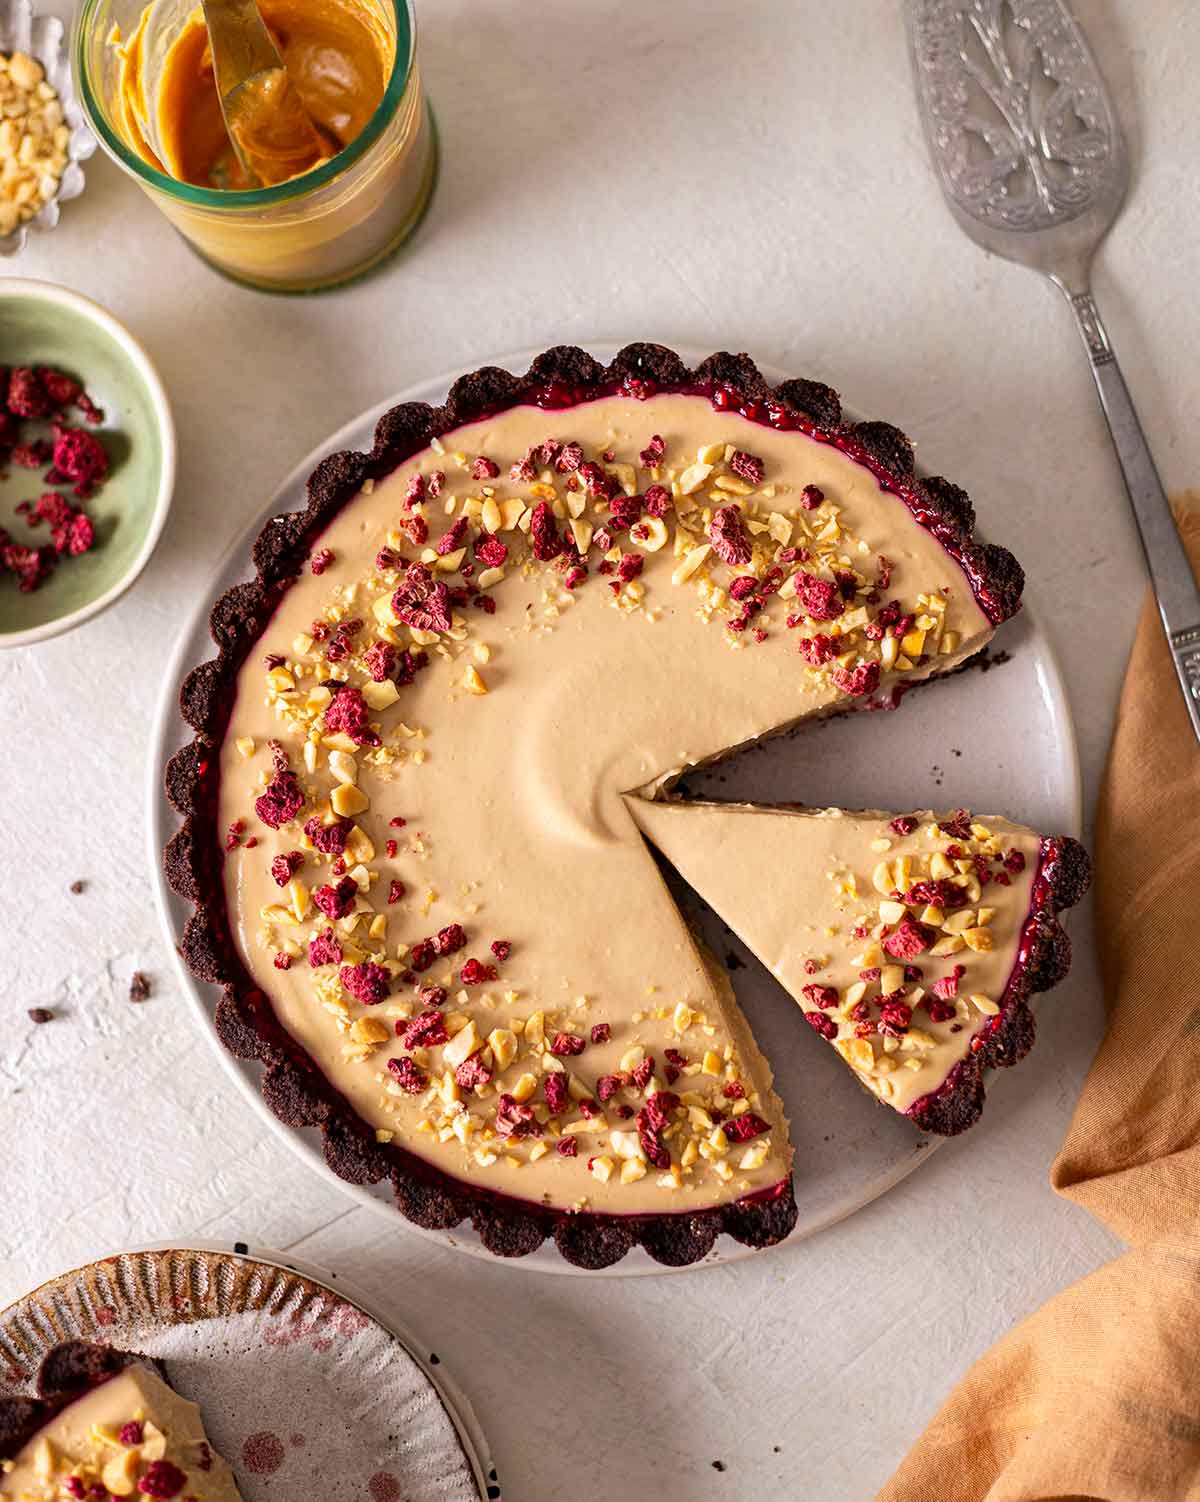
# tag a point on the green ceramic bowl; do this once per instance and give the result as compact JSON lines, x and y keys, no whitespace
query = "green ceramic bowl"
{"x":41,"y":324}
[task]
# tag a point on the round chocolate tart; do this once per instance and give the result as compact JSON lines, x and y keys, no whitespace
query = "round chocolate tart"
{"x":415,"y":808}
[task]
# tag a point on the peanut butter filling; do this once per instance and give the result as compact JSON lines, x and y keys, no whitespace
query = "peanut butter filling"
{"x":131,"y":1436}
{"x":539,"y":614}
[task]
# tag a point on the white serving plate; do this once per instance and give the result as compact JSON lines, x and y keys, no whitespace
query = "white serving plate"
{"x":304,"y":1382}
{"x":850,"y":1150}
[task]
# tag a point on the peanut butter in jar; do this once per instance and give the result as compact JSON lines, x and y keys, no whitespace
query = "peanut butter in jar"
{"x":359,"y":185}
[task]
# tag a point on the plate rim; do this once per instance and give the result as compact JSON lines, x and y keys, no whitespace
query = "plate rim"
{"x":160,"y":813}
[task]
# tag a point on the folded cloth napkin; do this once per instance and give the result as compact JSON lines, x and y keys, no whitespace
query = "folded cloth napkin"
{"x":1097,"y":1395}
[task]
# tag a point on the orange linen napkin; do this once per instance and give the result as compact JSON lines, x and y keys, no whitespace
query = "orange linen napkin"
{"x":1097,"y":1395}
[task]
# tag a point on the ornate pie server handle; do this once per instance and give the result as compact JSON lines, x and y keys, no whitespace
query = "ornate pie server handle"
{"x":1170,"y":571}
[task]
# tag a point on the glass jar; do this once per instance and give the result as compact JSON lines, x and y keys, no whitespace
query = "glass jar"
{"x":312,"y":232}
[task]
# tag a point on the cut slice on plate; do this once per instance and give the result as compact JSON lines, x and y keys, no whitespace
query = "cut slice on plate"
{"x":911,"y":941}
{"x":105,"y":1424}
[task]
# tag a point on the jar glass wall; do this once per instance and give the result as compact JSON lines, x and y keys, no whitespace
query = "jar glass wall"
{"x":314,"y":231}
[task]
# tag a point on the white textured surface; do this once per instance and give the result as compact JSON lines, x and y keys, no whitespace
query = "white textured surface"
{"x":752,"y":178}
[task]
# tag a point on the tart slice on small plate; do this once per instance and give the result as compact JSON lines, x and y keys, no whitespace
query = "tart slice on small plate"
{"x":106,"y":1423}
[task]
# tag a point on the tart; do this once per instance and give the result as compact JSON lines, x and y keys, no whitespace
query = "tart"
{"x":415,"y":871}
{"x":106,"y":1423}
{"x":912,"y":942}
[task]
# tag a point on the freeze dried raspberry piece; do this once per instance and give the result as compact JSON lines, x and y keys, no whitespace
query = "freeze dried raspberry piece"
{"x":567,"y":457}
{"x":329,"y":839}
{"x":476,"y":973}
{"x":557,"y":1097}
{"x":630,"y":567}
{"x":734,"y":1090}
{"x":608,"y":1085}
{"x":484,"y":468}
{"x":451,"y":939}
{"x":903,"y":824}
{"x":282,"y":961}
{"x":821,"y":996}
{"x":284,"y":867}
{"x":34,"y":455}
{"x":32,"y":566}
{"x":81,"y":536}
{"x":939,"y":1010}
{"x":748,"y":467}
{"x":453,"y":538}
{"x":162,"y":1479}
{"x":728,"y":535}
{"x":380,"y":661}
{"x":820,"y":598}
{"x":908,"y":939}
{"x":624,"y":511}
{"x":321,"y":560}
{"x":939,"y":893}
{"x":656,"y":501}
{"x":743,"y":587}
{"x":817,"y":650}
{"x":501,"y":948}
{"x":641,"y":1073}
{"x":131,"y":1434}
{"x":282,"y":799}
{"x":491,"y":552}
{"x":80,"y":458}
{"x":811,"y":497}
{"x":396,"y":888}
{"x":366,"y":982}
{"x":516,"y":1119}
{"x":651,"y":457}
{"x":26,"y":396}
{"x":823,"y":1024}
{"x":745,"y":1127}
{"x":62,"y":389}
{"x":422,"y":954}
{"x":543,"y":534}
{"x":1014,"y":862}
{"x":411,"y":1079}
{"x":426,"y":1030}
{"x":566,"y":1147}
{"x":864,"y":679}
{"x":421,"y":601}
{"x":567,"y":1045}
{"x":347,"y":712}
{"x":324,"y":949}
{"x":336,"y":902}
{"x":957,"y":825}
{"x":414,"y":491}
{"x":472,"y":1073}
{"x":895,"y":1018}
{"x":601,"y":1032}
{"x":598,"y":481}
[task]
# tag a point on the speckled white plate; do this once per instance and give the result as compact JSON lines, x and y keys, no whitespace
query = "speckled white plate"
{"x":946,"y":748}
{"x":307,"y":1390}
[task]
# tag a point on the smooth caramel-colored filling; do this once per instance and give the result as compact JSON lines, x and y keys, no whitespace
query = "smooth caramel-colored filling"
{"x":338,"y":56}
{"x":83,"y":1444}
{"x":809,"y":891}
{"x":508,"y":759}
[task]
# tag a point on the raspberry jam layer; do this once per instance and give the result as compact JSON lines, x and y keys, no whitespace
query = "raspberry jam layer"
{"x":430,"y":865}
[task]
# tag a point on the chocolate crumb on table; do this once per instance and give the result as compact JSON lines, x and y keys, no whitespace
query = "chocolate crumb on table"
{"x":40,"y":1014}
{"x":77,"y":887}
{"x":139,"y":986}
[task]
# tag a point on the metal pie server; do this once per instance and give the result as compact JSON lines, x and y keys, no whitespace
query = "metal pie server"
{"x":1033,"y":165}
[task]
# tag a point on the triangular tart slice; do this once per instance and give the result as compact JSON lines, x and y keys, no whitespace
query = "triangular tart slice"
{"x":912,"y":942}
{"x":106,"y":1423}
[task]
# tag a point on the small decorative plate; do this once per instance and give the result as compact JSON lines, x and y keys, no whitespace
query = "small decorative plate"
{"x":306,"y":1390}
{"x":849,"y":1149}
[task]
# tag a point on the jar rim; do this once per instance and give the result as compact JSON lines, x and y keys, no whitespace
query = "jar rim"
{"x":247,"y":198}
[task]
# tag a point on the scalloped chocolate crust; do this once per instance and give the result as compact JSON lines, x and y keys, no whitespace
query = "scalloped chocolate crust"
{"x":244,"y":1019}
{"x":1064,"y":875}
{"x":67,"y":1371}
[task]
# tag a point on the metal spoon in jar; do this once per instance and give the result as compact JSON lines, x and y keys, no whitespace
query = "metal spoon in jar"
{"x":272,"y":134}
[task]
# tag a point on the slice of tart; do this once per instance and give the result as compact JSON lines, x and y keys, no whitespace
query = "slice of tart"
{"x":106,"y":1424}
{"x":415,"y":873}
{"x":912,"y":942}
